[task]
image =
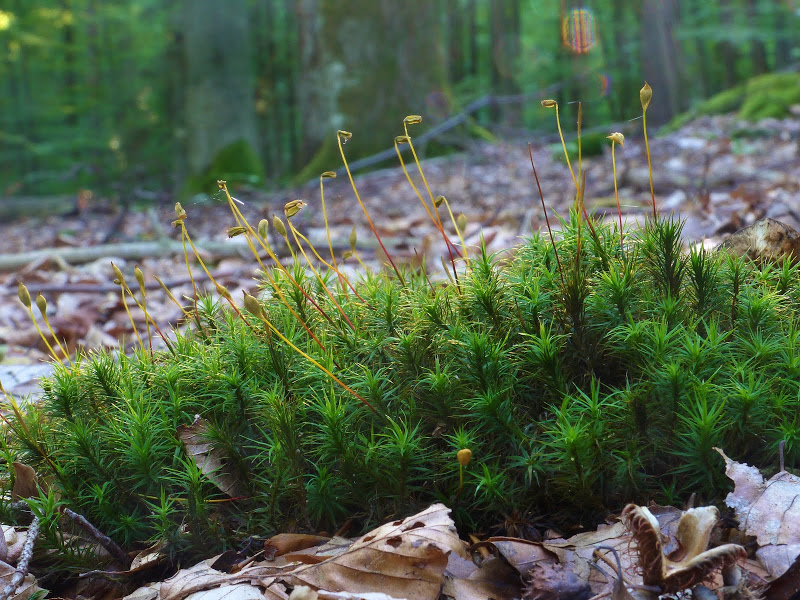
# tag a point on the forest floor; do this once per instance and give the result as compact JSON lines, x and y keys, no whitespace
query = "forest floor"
{"x":717,"y":173}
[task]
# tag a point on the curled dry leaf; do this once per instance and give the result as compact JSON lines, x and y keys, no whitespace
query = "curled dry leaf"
{"x":768,"y":510}
{"x":211,"y":461}
{"x":302,"y":592}
{"x":694,"y":531}
{"x":15,"y":542}
{"x":491,"y":577}
{"x":785,"y":587}
{"x":765,"y":240}
{"x":202,"y":577}
{"x":553,"y":582}
{"x":283,"y":543}
{"x":26,"y":589}
{"x":576,"y":553}
{"x":523,"y":555}
{"x":404,"y":558}
{"x":26,"y":484}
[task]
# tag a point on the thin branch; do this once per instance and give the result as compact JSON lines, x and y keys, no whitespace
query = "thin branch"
{"x":105,"y":541}
{"x":24,"y":561}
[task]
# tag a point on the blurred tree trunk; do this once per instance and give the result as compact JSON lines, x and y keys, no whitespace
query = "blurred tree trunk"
{"x":472,"y":12}
{"x":783,"y":43}
{"x":70,"y":77}
{"x":625,"y":73}
{"x":758,"y":51}
{"x":661,"y":59}
{"x":505,"y":23}
{"x":175,"y":60}
{"x":455,"y":41}
{"x":381,"y":61}
{"x":701,"y":71}
{"x":221,"y":135}
{"x":319,"y":75}
{"x":726,"y":51}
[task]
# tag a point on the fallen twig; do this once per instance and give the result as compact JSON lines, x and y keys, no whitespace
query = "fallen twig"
{"x":103,"y":288}
{"x":24,"y":560}
{"x":130,"y":251}
{"x":105,"y":541}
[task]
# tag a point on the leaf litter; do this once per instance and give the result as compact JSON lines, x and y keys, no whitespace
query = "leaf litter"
{"x":642,"y":554}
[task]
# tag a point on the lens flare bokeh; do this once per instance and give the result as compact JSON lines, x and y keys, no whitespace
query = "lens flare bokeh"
{"x":577,"y":30}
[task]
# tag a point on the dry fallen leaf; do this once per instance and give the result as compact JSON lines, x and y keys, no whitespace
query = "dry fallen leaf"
{"x":238,"y":591}
{"x":404,"y":558}
{"x":302,"y":592}
{"x":149,"y":557}
{"x":202,"y":577}
{"x":15,"y":541}
{"x":553,"y":582}
{"x":765,"y":240}
{"x":211,"y":461}
{"x":25,"y":590}
{"x":520,"y":554}
{"x":26,"y":484}
{"x":284,"y":543}
{"x":696,"y":565}
{"x":786,"y":586}
{"x":576,"y":554}
{"x":492,"y":578}
{"x":769,"y":510}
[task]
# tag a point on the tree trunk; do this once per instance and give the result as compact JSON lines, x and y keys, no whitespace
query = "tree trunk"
{"x":381,"y":61}
{"x":505,"y":24}
{"x":783,"y":42}
{"x":758,"y":52}
{"x":319,"y":76}
{"x":455,"y":41}
{"x":175,"y":60}
{"x":661,"y":59}
{"x":626,"y":79}
{"x":221,"y":135}
{"x":726,"y":51}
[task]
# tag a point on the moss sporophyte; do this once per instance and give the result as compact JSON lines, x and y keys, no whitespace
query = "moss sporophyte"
{"x":593,"y":368}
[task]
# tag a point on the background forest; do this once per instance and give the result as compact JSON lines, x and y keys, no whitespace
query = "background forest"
{"x":145,"y":99}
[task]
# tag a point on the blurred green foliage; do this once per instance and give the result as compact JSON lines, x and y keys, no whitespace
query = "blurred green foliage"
{"x":95,"y":93}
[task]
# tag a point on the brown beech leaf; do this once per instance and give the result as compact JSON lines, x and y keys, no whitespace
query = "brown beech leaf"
{"x":203,"y":577}
{"x":303,"y":592}
{"x":405,"y":559}
{"x":334,"y":547}
{"x":553,"y":582}
{"x":494,"y":578}
{"x":149,"y":557}
{"x":284,"y":543}
{"x":768,"y":510}
{"x":785,"y":586}
{"x":15,"y":542}
{"x":765,"y":240}
{"x":698,"y":565}
{"x":211,"y":461}
{"x":520,"y":554}
{"x":576,"y":554}
{"x":26,"y":589}
{"x":26,"y":484}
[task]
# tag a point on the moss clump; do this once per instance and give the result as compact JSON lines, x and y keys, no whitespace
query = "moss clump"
{"x":580,"y":374}
{"x":580,"y":395}
{"x":770,"y":95}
